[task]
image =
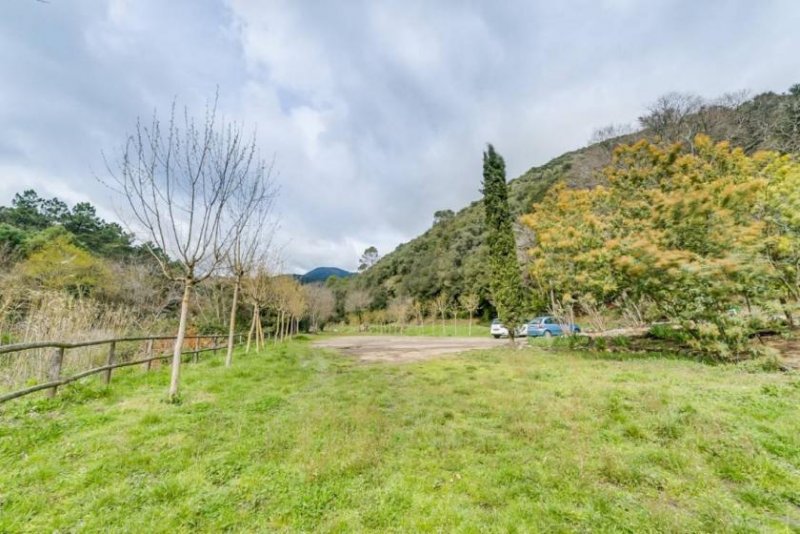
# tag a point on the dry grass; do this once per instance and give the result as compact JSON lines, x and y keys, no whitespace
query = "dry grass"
{"x":55,"y":316}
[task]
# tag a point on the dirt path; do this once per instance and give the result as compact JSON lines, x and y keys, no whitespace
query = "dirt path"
{"x":370,"y":349}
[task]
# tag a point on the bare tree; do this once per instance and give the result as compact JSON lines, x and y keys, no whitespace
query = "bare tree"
{"x":177,"y":180}
{"x":609,"y":133}
{"x":296,"y":307}
{"x":419,"y":308}
{"x":398,"y":311}
{"x":441,"y":305}
{"x":257,"y":289}
{"x":357,"y":301}
{"x":470,"y":303}
{"x":287,"y":300}
{"x":676,"y":117}
{"x":321,"y":304}
{"x":249,"y":213}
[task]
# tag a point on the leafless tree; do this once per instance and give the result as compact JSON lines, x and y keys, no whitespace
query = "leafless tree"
{"x":607,"y":134}
{"x":419,"y":308}
{"x":442,"y":304}
{"x":357,"y":301}
{"x":671,"y":117}
{"x":177,"y":180}
{"x":399,"y":309}
{"x":257,"y":290}
{"x":249,"y":212}
{"x":320,"y":303}
{"x":470,"y":303}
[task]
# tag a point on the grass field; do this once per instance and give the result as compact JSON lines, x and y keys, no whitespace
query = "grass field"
{"x":501,"y":440}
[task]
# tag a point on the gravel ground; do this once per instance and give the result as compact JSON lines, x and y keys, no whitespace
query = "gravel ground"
{"x":369,"y":349}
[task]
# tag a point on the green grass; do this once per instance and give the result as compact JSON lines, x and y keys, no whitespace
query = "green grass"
{"x":506,"y":441}
{"x":460,"y":329}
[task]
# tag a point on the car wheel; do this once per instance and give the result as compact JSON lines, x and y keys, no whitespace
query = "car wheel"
{"x":496,"y":336}
{"x":548,"y":334}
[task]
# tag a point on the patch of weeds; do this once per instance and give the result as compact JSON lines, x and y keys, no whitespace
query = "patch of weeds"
{"x":634,"y":432}
{"x":668,"y":459}
{"x":757,"y":498}
{"x":83,"y":392}
{"x":150,"y":419}
{"x":674,"y":425}
{"x":447,"y":415}
{"x":175,"y":400}
{"x":167,"y":490}
{"x":770,"y":390}
{"x":617,"y":472}
{"x":667,"y":332}
{"x":221,"y":473}
{"x":266,"y":404}
{"x":617,"y":408}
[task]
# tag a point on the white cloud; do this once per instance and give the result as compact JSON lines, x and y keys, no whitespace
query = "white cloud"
{"x":376,"y":112}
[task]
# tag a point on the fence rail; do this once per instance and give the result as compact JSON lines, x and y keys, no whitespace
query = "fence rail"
{"x":60,"y":348}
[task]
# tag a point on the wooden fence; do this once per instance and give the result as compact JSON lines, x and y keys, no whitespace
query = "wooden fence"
{"x":59,"y":350}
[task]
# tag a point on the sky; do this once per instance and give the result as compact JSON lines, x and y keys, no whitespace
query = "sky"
{"x":376,"y":112}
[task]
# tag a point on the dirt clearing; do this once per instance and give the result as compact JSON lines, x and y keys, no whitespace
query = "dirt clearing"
{"x":369,"y":349}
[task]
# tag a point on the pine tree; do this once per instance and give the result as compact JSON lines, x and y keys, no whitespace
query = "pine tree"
{"x":505,"y":282}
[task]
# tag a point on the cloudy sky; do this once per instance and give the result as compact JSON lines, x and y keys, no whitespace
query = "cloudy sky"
{"x":376,"y":111}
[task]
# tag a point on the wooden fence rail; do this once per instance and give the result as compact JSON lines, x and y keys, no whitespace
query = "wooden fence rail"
{"x":57,"y":359}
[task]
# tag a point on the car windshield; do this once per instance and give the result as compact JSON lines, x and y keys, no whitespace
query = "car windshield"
{"x":537,"y":320}
{"x":496,"y":321}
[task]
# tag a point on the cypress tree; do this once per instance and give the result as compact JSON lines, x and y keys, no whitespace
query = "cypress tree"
{"x":505,"y":282}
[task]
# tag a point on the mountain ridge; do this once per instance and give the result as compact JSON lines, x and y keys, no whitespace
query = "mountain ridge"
{"x":321,"y":274}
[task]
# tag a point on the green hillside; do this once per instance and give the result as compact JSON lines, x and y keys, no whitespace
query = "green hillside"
{"x":450,"y":257}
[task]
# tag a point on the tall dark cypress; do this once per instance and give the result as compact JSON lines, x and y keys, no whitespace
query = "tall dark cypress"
{"x":505,"y":282}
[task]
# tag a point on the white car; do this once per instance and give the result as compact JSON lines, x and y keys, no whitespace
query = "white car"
{"x":498,"y":330}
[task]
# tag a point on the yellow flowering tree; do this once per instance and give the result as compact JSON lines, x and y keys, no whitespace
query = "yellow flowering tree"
{"x":705,"y":236}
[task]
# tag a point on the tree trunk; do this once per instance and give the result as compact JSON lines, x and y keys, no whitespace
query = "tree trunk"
{"x":176,"y":352}
{"x":787,"y":312}
{"x":252,"y":328}
{"x":469,"y":328}
{"x":232,"y":323}
{"x":260,"y":327}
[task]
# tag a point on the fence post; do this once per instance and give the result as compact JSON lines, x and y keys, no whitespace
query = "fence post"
{"x":149,"y":354}
{"x":112,"y":355}
{"x":196,"y":349}
{"x":54,"y":372}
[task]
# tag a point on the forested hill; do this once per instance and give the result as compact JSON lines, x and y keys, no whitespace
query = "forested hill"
{"x":450,"y":257}
{"x":321,"y":274}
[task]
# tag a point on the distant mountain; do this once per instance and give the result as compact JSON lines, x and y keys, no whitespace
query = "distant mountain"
{"x":320,"y":274}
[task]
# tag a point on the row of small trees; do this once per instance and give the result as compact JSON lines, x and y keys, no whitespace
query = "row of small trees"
{"x":401,"y":311}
